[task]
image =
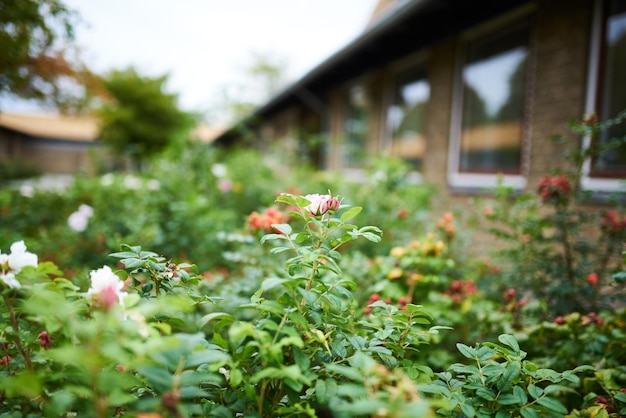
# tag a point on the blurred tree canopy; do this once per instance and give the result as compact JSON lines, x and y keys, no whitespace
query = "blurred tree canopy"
{"x":262,"y":78}
{"x":36,"y":59}
{"x":140,"y":119}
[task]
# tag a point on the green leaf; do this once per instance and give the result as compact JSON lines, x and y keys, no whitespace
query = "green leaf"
{"x":486,"y":394}
{"x":284,"y":228}
{"x":351,"y":213}
{"x":508,"y":399}
{"x":211,"y":357}
{"x":468,"y":410}
{"x":188,"y":392}
{"x":236,"y":377}
{"x":620,"y":396}
{"x":511,"y":372}
{"x":552,"y":404}
{"x":159,"y":377}
{"x":349,"y":372}
{"x":325,"y":390}
{"x":468,"y":352}
{"x":133,"y":263}
{"x":271,"y":237}
{"x":123,"y":254}
{"x":535,"y":391}
{"x":520,"y":394}
{"x":510,"y":341}
{"x":272,"y":282}
{"x":528,"y":412}
{"x":278,"y":250}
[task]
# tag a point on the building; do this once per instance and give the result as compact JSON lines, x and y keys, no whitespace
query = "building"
{"x":467,"y":92}
{"x":49,"y":144}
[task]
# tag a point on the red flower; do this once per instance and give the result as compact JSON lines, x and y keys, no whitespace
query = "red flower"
{"x":592,"y":279}
{"x":554,"y":189}
{"x":263,"y":222}
{"x":612,"y":224}
{"x":509,"y":295}
{"x":45,"y":340}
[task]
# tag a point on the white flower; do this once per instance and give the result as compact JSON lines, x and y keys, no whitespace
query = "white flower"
{"x":218,"y":170}
{"x":86,"y":210}
{"x":20,"y":258}
{"x":77,"y":221}
{"x":153,"y":184}
{"x":27,"y":190}
{"x":106,"y":287}
{"x":10,"y":280}
{"x":107,"y":179}
{"x":133,"y":183}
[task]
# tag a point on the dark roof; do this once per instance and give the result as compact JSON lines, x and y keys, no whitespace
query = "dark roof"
{"x":412,"y":26}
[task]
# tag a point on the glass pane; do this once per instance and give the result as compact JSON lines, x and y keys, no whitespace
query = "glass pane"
{"x":355,"y":145}
{"x":407,"y":116}
{"x":493,"y":103}
{"x":612,"y":163}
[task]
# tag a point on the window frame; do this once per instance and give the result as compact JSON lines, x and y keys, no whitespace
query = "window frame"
{"x":598,"y":27}
{"x":458,"y":179}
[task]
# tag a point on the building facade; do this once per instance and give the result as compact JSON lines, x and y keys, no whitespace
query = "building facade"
{"x":466,"y":92}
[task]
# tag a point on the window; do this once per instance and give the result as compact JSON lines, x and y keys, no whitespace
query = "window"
{"x":488,"y":119}
{"x":354,"y":147}
{"x":406,"y":117}
{"x":607,"y":92}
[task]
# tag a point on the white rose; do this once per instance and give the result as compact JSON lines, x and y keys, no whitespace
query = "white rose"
{"x":20,"y":258}
{"x":78,"y":221}
{"x":104,"y":281}
{"x":10,"y":280}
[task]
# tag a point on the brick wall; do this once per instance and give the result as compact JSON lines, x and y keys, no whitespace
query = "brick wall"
{"x":561,"y":40}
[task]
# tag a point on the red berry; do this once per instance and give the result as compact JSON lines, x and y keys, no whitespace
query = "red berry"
{"x":559,"y":320}
{"x":402,"y":300}
{"x":602,"y":399}
{"x":509,"y":294}
{"x":375,"y":297}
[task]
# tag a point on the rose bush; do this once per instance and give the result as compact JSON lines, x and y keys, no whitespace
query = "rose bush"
{"x":294,"y":310}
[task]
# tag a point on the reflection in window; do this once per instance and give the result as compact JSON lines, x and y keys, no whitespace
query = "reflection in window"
{"x":612,"y":88}
{"x":356,"y":127}
{"x":493,"y":103}
{"x":406,"y":117}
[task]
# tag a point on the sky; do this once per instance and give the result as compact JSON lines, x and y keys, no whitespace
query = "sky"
{"x":205,"y":45}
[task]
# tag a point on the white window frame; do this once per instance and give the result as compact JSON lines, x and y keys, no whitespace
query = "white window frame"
{"x":597,"y":36}
{"x":457,"y":179}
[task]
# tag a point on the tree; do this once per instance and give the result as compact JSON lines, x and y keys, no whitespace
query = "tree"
{"x":140,"y":119}
{"x":35,"y":62}
{"x":262,"y":78}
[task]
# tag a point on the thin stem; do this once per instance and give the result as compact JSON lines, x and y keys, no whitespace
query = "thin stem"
{"x":280,"y":326}
{"x":25,"y":354}
{"x":567,"y":251}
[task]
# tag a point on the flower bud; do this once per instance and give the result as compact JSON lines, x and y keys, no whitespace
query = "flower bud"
{"x":320,"y":204}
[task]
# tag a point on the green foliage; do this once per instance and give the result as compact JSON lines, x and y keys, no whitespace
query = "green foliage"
{"x":16,"y":169}
{"x":500,"y":382}
{"x":141,"y":119}
{"x":291,"y":307}
{"x":553,"y":247}
{"x":35,"y":37}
